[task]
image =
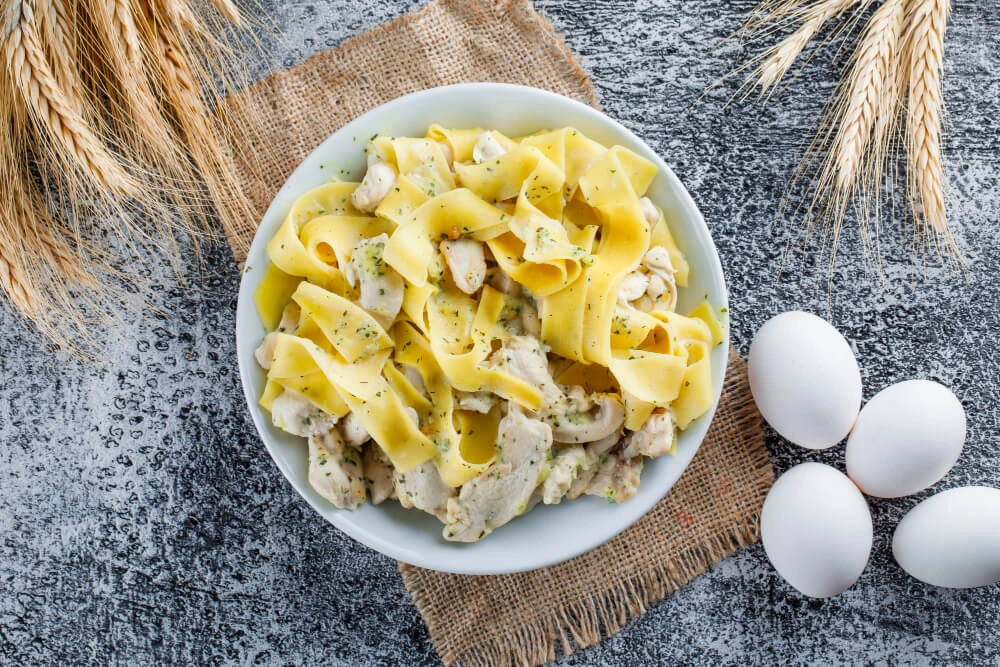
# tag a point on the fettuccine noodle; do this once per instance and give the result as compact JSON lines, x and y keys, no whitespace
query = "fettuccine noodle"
{"x":482,"y":324}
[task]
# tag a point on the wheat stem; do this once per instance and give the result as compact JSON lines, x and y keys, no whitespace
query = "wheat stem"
{"x":926,"y":23}
{"x":29,"y":71}
{"x":778,"y":60}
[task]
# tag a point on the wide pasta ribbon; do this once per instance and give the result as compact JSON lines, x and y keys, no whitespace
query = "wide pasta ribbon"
{"x":287,"y":251}
{"x":465,"y":441}
{"x":412,"y":248}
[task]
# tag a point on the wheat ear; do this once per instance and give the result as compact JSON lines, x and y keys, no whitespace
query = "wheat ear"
{"x":926,"y":22}
{"x":57,"y":27}
{"x":229,"y":10}
{"x":858,"y":140}
{"x":778,"y":60}
{"x":30,"y":73}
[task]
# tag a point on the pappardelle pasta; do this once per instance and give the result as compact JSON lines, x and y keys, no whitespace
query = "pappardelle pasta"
{"x":481,"y":325}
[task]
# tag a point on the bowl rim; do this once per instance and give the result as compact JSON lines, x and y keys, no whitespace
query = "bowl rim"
{"x":698,"y":228}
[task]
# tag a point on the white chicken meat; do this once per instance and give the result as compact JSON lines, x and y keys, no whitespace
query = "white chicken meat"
{"x":293,"y":413}
{"x":422,"y":487}
{"x":335,"y":470}
{"x":505,"y":489}
{"x":466,"y":261}
{"x":382,"y":288}
{"x":375,"y":186}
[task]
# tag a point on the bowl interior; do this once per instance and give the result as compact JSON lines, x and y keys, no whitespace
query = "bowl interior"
{"x":547,"y":534}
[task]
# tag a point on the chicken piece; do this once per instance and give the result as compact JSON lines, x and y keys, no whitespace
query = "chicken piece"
{"x":378,"y":473}
{"x":505,"y":489}
{"x":381,"y":287}
{"x":375,"y":186}
{"x":649,"y":211}
{"x":502,"y":282}
{"x":289,"y":323}
{"x":576,"y":426}
{"x":335,"y":470}
{"x":466,"y":262}
{"x":564,"y":468}
{"x":633,"y":286}
{"x":475,"y":401}
{"x":421,"y":487}
{"x":449,"y":155}
{"x":294,"y":413}
{"x":487,"y":148}
{"x":654,"y":438}
{"x":657,"y":260}
{"x":617,"y":478}
{"x":524,"y":357}
{"x":354,"y":431}
{"x":530,"y":322}
{"x":415,"y":378}
{"x":264,"y":354}
{"x":595,"y":452}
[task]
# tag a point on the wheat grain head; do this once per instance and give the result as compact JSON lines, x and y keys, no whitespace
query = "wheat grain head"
{"x":924,"y":45}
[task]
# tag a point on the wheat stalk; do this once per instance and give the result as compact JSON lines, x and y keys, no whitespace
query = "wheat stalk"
{"x":56,"y":25}
{"x":855,"y":127}
{"x":29,"y":69}
{"x":925,"y":176}
{"x":778,"y":60}
{"x":92,"y":113}
{"x":889,"y":95}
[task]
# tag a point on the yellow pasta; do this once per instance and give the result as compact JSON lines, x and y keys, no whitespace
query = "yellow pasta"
{"x":482,"y":277}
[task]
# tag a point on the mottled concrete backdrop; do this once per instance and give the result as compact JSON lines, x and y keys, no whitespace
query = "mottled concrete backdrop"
{"x":141,"y":520}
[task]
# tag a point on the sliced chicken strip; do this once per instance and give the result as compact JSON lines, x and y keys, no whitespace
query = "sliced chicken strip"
{"x":288,"y":324}
{"x":421,"y":487}
{"x":617,"y":479}
{"x":524,"y":357}
{"x":335,"y":470}
{"x":355,"y":432}
{"x":378,"y":473}
{"x":564,"y":468}
{"x":649,"y":211}
{"x":466,"y":262}
{"x":505,"y":490}
{"x":654,"y":438}
{"x":596,"y":451}
{"x":415,"y":378}
{"x":633,"y":286}
{"x":381,"y":287}
{"x":475,"y":401}
{"x":294,"y":413}
{"x":375,"y":186}
{"x":487,"y":148}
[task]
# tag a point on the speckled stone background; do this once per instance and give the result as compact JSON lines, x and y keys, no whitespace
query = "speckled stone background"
{"x":142,"y":522}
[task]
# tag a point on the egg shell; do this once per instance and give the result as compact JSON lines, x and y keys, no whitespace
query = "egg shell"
{"x":805,"y":379}
{"x":816,"y":529}
{"x":906,"y":438}
{"x":952,"y":539}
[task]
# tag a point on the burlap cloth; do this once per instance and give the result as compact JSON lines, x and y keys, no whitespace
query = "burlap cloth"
{"x":715,"y":507}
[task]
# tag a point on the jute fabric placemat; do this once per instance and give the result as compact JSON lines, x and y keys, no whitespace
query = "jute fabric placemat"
{"x":713,"y":510}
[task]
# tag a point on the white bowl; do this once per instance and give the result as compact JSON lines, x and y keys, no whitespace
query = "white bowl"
{"x":549,"y":533}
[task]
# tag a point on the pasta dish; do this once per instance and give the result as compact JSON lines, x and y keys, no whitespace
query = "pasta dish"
{"x":482,"y":324}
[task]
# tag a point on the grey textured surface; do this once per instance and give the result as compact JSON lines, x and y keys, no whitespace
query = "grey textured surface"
{"x":142,"y":521}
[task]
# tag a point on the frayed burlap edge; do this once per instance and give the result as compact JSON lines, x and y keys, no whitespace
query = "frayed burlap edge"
{"x":602,"y":612}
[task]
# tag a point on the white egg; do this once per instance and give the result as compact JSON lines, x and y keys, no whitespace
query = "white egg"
{"x":952,"y":539}
{"x":906,"y":438}
{"x":816,"y":529}
{"x":805,"y":379}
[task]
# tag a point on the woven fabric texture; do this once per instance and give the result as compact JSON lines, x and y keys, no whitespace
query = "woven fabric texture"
{"x":714,"y":509}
